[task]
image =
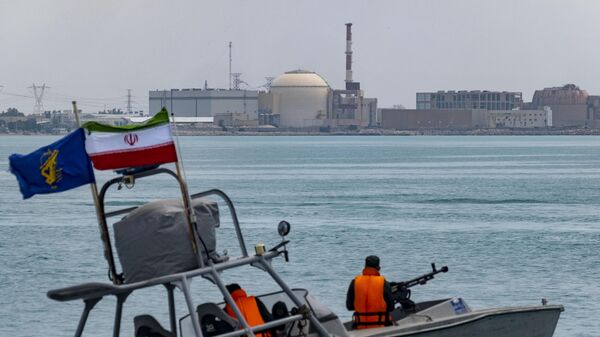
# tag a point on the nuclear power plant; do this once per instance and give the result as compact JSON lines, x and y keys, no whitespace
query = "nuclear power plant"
{"x":298,"y":99}
{"x":302,"y":100}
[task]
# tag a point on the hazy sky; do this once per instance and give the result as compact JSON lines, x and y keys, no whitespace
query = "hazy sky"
{"x":93,"y":51}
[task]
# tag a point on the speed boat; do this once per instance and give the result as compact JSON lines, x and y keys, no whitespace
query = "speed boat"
{"x":168,"y":243}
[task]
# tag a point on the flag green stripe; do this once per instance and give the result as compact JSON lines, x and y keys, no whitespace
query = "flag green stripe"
{"x":160,"y":118}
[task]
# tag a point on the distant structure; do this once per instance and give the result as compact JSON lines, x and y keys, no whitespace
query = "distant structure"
{"x":476,"y":99}
{"x":237,"y":80}
{"x":349,"y":84}
{"x":303,"y":99}
{"x":268,"y":83}
{"x":300,"y":98}
{"x":297,"y":99}
{"x":463,"y":119}
{"x":129,"y":101}
{"x":38,"y":93}
{"x":230,"y":65}
{"x":204,"y":102}
{"x":513,"y":119}
{"x":568,"y":103}
{"x":349,"y":106}
{"x":593,"y":111}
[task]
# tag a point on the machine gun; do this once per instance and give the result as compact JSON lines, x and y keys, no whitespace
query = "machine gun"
{"x":401,"y":290}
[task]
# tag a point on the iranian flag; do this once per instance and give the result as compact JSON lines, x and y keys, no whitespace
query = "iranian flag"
{"x":115,"y":147}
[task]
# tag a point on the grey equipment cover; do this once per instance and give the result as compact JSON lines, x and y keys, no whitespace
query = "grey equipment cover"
{"x":154,"y":240}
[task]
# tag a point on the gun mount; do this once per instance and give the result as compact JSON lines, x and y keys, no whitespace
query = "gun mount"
{"x":401,"y":290}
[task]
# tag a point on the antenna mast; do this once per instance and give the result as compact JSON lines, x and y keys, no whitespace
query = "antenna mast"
{"x":230,"y":65}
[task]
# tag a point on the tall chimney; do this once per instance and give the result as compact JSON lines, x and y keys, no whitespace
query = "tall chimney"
{"x":348,"y":54}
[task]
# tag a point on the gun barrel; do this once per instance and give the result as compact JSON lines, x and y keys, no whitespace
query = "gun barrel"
{"x":396,"y":286}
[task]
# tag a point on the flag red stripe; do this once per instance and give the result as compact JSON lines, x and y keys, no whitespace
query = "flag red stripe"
{"x":135,"y":158}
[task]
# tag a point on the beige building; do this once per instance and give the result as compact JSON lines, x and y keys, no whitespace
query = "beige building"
{"x":568,"y":104}
{"x":301,"y":98}
{"x":463,"y":119}
{"x":414,"y":119}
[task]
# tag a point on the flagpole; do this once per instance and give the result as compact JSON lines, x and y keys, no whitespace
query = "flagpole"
{"x":104,"y":235}
{"x":187,"y":200}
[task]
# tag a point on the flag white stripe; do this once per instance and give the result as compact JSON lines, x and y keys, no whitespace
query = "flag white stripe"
{"x":106,"y":142}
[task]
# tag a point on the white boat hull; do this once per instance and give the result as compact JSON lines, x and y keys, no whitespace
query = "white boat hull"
{"x":502,"y":322}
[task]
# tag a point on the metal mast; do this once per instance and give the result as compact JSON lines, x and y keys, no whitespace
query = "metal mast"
{"x":230,"y":65}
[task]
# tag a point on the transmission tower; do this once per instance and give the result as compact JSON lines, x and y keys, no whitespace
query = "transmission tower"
{"x":38,"y":93}
{"x":237,"y":81}
{"x":269,"y":83}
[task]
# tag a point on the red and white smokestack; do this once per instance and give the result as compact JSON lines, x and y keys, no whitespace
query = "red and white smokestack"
{"x":348,"y":53}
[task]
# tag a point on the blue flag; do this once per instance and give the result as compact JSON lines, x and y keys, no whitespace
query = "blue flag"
{"x":58,"y":167}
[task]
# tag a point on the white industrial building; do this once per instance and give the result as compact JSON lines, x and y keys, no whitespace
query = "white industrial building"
{"x":303,"y":99}
{"x":518,"y":118}
{"x":204,"y":102}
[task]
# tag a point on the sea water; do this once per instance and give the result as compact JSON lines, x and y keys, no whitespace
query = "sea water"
{"x":516,"y":219}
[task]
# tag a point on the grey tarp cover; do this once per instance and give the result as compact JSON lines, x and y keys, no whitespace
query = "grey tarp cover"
{"x":154,"y":239}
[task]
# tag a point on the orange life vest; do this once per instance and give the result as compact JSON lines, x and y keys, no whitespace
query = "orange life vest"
{"x":369,"y":304}
{"x":249,"y":309}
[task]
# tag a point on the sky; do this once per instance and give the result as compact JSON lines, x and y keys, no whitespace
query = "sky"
{"x":93,"y":51}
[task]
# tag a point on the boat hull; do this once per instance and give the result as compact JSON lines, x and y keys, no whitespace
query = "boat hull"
{"x":507,"y":322}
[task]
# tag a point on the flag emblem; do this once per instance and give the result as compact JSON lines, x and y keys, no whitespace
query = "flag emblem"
{"x":131,"y":139}
{"x":57,"y":167}
{"x":49,"y":170}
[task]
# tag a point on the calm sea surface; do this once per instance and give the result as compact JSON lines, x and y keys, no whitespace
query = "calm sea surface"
{"x":516,"y":219}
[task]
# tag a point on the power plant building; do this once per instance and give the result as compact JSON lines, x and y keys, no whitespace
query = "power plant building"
{"x":463,"y":119}
{"x":476,"y":99}
{"x":297,"y":99}
{"x":301,"y":98}
{"x":205,"y":102}
{"x":568,"y":103}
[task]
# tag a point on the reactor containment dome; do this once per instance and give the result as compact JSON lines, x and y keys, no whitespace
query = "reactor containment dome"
{"x":301,"y":98}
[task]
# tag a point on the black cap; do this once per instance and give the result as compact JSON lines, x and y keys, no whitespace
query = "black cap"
{"x":372,"y":261}
{"x":232,"y":287}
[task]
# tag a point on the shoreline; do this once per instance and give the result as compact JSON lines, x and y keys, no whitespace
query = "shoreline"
{"x":367,"y":132}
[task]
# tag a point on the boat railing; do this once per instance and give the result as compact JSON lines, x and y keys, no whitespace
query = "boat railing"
{"x":92,"y":293}
{"x":129,"y":178}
